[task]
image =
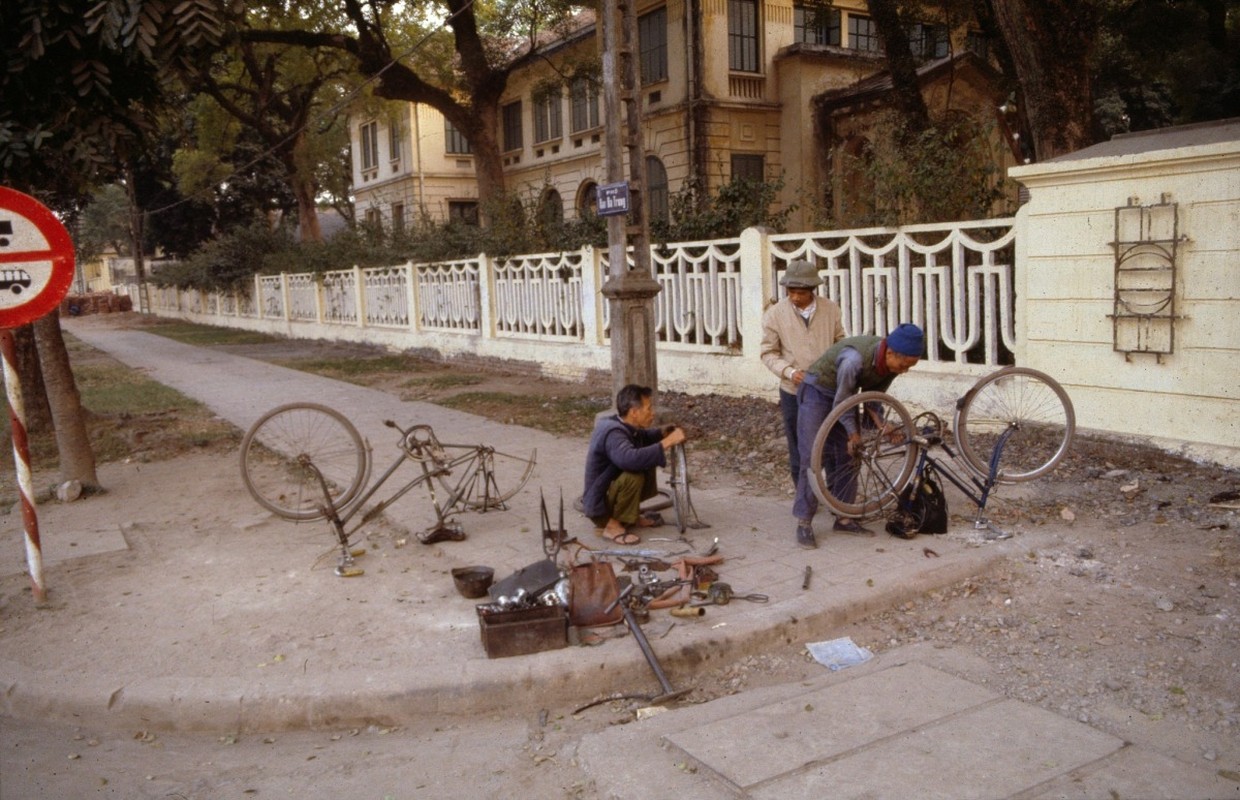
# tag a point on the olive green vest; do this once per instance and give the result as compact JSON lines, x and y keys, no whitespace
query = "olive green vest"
{"x":869,"y":379}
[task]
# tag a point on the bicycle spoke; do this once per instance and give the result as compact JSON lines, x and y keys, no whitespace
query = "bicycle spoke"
{"x":286,"y":451}
{"x":1031,"y":408}
{"x":863,"y":484}
{"x":482,"y":478}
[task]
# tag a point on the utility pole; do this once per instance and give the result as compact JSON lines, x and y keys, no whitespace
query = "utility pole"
{"x":630,"y":291}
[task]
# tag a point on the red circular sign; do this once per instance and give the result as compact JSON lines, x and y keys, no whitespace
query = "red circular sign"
{"x":36,"y":259}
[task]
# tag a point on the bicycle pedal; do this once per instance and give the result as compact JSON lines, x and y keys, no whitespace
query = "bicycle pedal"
{"x":349,"y":572}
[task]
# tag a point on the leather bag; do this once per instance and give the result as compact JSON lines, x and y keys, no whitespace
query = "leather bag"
{"x":593,"y":588}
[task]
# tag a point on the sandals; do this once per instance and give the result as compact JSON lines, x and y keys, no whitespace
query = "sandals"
{"x":651,"y":520}
{"x":625,"y":538}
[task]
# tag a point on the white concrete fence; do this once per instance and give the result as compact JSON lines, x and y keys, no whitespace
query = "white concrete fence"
{"x":547,"y":310}
{"x":1039,"y":290}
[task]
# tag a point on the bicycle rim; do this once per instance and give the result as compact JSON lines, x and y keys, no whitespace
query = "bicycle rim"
{"x":285,"y":452}
{"x":678,"y":484}
{"x":481,"y":478}
{"x":863,"y":485}
{"x":1034,"y":411}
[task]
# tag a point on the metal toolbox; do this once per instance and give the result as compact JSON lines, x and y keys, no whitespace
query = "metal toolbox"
{"x":519,"y":632}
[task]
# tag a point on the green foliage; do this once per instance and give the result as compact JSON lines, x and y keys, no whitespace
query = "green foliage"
{"x":230,"y":261}
{"x":1162,"y":62}
{"x":740,"y":203}
{"x":82,"y":81}
{"x":104,"y":224}
{"x":946,"y":173}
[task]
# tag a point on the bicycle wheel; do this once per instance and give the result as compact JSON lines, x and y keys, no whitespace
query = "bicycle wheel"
{"x":863,"y":484}
{"x":678,"y":486}
{"x":480,"y":478}
{"x":285,"y":452}
{"x":1031,"y":408}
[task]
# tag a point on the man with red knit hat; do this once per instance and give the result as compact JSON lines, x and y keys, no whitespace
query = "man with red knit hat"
{"x":851,"y":365}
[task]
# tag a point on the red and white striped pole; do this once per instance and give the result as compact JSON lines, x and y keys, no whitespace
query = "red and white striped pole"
{"x":21,"y":462}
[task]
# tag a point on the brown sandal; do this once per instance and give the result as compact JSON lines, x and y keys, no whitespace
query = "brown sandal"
{"x":625,"y":538}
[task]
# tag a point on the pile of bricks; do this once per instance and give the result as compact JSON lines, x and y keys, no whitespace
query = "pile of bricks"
{"x":77,"y":305}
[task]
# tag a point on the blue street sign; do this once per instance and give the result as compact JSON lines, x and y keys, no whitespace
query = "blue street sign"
{"x":613,"y":199}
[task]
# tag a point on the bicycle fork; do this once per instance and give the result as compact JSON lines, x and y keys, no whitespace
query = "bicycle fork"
{"x":344,"y":567}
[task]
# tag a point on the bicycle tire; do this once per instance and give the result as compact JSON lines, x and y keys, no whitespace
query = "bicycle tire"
{"x":279,"y":448}
{"x":1033,"y":406}
{"x":879,"y":471}
{"x":480,"y":478}
{"x":678,"y":486}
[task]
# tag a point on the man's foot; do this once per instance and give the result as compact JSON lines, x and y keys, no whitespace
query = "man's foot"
{"x":616,"y":533}
{"x":805,"y":538}
{"x":650,"y":520}
{"x":851,"y":527}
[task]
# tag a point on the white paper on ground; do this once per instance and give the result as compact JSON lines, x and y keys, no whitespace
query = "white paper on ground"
{"x":839,"y":653}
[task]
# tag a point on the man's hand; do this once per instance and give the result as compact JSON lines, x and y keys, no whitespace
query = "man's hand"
{"x":672,"y":436}
{"x":854,"y":444}
{"x":798,"y":376}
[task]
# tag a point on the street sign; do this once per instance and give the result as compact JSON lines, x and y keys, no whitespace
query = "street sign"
{"x":613,"y":199}
{"x":36,"y":259}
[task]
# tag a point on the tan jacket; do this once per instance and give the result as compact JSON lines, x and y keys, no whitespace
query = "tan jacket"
{"x":788,"y":344}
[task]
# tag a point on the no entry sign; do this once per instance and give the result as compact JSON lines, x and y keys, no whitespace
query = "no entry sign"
{"x":36,"y":259}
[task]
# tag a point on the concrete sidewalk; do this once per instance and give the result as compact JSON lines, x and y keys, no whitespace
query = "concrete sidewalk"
{"x":231,"y":620}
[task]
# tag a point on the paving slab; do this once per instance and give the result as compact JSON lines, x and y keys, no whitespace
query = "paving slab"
{"x":875,"y":735}
{"x":819,"y":726}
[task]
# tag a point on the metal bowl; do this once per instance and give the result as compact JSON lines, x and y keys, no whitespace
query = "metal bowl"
{"x":473,"y":582}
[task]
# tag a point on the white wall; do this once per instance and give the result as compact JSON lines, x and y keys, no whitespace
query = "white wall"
{"x":1185,"y":401}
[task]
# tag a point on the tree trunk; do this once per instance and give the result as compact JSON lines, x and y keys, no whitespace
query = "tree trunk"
{"x":488,"y":158}
{"x":1050,"y":42}
{"x":34,"y":393}
{"x":906,"y":95}
{"x":77,"y":460}
{"x":305,"y":189}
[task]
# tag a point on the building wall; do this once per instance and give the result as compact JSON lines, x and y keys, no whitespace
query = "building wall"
{"x":423,"y":177}
{"x":1188,"y":400}
{"x":764,"y":113}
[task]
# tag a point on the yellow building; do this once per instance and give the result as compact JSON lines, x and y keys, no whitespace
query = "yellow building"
{"x":760,"y":89}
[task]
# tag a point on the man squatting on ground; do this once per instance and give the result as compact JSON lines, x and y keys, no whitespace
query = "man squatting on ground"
{"x":852,"y":365}
{"x":620,"y":465}
{"x":795,"y":331}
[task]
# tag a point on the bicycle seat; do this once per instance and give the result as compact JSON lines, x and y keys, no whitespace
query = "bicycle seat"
{"x":420,"y":444}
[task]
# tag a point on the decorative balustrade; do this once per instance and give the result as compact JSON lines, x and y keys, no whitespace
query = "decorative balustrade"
{"x":302,"y":292}
{"x":448,"y":295}
{"x":539,"y":295}
{"x":271,"y":296}
{"x":954,"y":280}
{"x":340,"y":297}
{"x":386,"y":291}
{"x":699,"y":303}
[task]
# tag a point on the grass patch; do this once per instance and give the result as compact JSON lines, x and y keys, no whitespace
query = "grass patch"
{"x":443,"y":381}
{"x":127,"y":416}
{"x":354,"y":367}
{"x":116,"y":390}
{"x":207,"y":335}
{"x":570,"y":416}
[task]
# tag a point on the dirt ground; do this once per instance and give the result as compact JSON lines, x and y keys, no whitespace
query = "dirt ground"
{"x":1129,"y":622}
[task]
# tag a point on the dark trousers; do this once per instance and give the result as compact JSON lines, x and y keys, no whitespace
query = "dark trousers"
{"x":788,"y":409}
{"x":813,"y":408}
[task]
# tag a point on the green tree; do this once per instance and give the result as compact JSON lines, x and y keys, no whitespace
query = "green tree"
{"x":287,"y":97}
{"x":460,"y":68}
{"x":79,"y":90}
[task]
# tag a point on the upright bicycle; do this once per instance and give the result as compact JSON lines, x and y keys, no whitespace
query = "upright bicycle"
{"x":1013,"y":425}
{"x":305,"y":461}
